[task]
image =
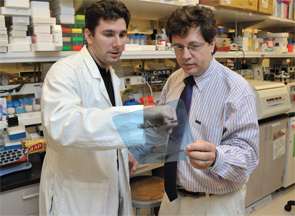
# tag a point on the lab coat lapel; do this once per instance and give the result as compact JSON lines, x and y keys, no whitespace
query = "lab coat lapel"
{"x":93,"y":70}
{"x":116,"y":85}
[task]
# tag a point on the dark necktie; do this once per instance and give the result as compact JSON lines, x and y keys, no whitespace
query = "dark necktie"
{"x":170,"y":168}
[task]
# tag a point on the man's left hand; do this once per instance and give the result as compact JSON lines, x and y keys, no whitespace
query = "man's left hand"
{"x":134,"y":163}
{"x":202,"y":154}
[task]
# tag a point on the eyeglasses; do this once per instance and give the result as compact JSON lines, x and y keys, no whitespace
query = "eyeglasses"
{"x":178,"y":48}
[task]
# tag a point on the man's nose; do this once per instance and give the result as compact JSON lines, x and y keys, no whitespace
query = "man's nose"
{"x":117,"y":41}
{"x":186,"y":53}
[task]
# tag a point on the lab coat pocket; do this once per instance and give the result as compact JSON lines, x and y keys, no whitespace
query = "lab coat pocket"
{"x":83,"y":198}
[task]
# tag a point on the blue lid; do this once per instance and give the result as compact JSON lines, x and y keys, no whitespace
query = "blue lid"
{"x":130,"y":102}
{"x":220,"y":30}
{"x":132,"y":36}
{"x":15,"y":103}
{"x":26,"y":100}
{"x":143,"y":36}
{"x":31,"y":100}
{"x":9,"y":104}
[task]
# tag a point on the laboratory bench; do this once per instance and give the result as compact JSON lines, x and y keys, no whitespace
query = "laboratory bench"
{"x":26,"y":177}
{"x":19,"y":193}
{"x":32,"y":176}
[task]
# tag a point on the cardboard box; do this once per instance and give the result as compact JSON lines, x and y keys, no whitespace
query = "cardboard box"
{"x":265,"y":6}
{"x":224,"y":3}
{"x":251,"y":5}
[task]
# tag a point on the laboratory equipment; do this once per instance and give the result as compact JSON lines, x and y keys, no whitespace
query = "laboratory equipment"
{"x":289,"y":170}
{"x":272,"y":104}
{"x":14,"y":160}
{"x":272,"y":98}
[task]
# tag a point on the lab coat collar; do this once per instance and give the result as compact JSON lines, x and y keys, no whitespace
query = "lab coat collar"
{"x":89,"y":61}
{"x":94,"y":71}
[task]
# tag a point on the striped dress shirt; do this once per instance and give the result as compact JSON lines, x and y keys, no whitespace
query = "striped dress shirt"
{"x":222,"y":112}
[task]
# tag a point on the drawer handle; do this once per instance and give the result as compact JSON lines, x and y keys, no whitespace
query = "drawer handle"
{"x":25,"y":197}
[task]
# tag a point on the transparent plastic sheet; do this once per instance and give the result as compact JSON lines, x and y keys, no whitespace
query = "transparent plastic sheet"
{"x":157,"y":146}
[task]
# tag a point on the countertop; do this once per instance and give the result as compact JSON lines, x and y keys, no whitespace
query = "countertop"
{"x":26,"y":177}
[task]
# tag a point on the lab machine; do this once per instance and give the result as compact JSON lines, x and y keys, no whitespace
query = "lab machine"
{"x":289,"y":171}
{"x":272,"y":104}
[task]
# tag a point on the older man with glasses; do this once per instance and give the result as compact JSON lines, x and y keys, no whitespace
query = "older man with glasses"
{"x":220,"y":105}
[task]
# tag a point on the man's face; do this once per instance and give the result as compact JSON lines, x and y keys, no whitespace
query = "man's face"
{"x":107,"y":44}
{"x":195,"y":60}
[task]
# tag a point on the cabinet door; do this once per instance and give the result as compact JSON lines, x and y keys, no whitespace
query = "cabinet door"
{"x":254,"y":185}
{"x":22,"y":201}
{"x":274,"y":156}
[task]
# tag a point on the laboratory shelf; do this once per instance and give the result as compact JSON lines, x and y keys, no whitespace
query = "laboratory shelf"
{"x":19,"y":57}
{"x":131,"y":54}
{"x":28,"y":88}
{"x":25,"y":118}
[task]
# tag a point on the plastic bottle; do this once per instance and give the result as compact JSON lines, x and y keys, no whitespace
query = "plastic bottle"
{"x":277,"y":47}
{"x":153,"y":36}
{"x":28,"y":104}
{"x":128,"y":39}
{"x":10,"y":108}
{"x":143,"y":39}
{"x":255,"y":43}
{"x":36,"y":105}
{"x":16,"y":105}
{"x":247,"y":34}
{"x":221,"y":33}
{"x":137,"y":39}
{"x":131,"y":39}
{"x":20,"y":108}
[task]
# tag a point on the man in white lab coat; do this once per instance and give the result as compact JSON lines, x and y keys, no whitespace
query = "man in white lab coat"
{"x":85,"y":170}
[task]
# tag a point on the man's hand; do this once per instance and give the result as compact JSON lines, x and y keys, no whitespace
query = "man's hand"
{"x":163,"y":117}
{"x":202,"y":154}
{"x":134,"y":163}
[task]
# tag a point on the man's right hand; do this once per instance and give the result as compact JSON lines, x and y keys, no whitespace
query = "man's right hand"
{"x":162,"y":117}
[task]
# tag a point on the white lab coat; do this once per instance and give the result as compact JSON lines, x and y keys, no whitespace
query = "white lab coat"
{"x":80,"y":174}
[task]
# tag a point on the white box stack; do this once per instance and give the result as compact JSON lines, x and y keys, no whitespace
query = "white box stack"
{"x":280,"y":41}
{"x":64,"y":11}
{"x":3,"y":35}
{"x":20,"y":11}
{"x":18,"y":39}
{"x":43,"y":28}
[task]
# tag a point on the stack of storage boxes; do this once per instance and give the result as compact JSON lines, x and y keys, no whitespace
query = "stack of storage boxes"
{"x":3,"y":35}
{"x":17,"y":31}
{"x":64,"y":11}
{"x":73,"y":35}
{"x":46,"y":36}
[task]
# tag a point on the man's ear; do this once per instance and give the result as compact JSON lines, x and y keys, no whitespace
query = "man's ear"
{"x":213,"y":46}
{"x":88,"y":36}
